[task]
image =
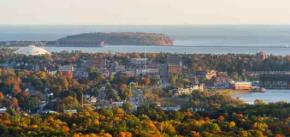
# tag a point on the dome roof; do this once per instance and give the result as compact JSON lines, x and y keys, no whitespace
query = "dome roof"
{"x":31,"y":50}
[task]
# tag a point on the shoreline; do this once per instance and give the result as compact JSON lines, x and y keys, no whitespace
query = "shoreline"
{"x":232,"y":92}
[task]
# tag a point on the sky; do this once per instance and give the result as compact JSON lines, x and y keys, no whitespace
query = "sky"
{"x":144,"y":12}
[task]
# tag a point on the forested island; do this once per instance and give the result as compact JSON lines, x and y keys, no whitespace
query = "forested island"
{"x":114,"y":38}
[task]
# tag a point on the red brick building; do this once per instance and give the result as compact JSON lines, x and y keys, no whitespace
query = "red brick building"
{"x":174,"y":64}
{"x":66,"y":70}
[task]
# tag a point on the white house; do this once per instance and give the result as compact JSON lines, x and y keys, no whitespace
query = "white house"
{"x":188,"y":91}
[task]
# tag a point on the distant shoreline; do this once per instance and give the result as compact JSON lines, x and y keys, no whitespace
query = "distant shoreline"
{"x":84,"y":46}
{"x":202,"y":46}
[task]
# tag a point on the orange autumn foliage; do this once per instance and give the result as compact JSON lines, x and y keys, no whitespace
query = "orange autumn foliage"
{"x":125,"y":134}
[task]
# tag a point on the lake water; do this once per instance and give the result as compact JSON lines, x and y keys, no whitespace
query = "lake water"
{"x":214,"y":39}
{"x":271,"y":95}
{"x":176,"y":49}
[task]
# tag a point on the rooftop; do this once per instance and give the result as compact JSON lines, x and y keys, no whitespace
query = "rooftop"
{"x":31,"y":50}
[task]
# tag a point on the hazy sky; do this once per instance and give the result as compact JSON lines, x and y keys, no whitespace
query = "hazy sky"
{"x":144,"y":12}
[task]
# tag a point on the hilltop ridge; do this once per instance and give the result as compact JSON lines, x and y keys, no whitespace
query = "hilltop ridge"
{"x":116,"y":38}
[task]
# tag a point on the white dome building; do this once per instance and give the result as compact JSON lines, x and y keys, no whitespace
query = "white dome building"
{"x":32,"y":50}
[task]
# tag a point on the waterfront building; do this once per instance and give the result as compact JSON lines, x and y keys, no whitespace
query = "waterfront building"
{"x":242,"y":85}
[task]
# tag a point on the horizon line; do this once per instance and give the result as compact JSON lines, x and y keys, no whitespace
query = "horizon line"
{"x":254,"y":24}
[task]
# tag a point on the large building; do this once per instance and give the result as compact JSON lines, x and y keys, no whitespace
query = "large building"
{"x":66,"y":70}
{"x":32,"y":50}
{"x":174,"y":63}
{"x":262,"y":55}
{"x":242,"y":85}
{"x":189,"y":90}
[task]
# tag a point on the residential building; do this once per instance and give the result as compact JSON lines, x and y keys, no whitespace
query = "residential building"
{"x":70,"y":111}
{"x":3,"y":109}
{"x":99,"y":63}
{"x":118,"y":68}
{"x":206,"y":74}
{"x":148,"y":71}
{"x":81,"y":73}
{"x":139,"y":61}
{"x":189,"y":90}
{"x":117,"y":104}
{"x":66,"y":70}
{"x":222,"y":81}
{"x":130,"y":73}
